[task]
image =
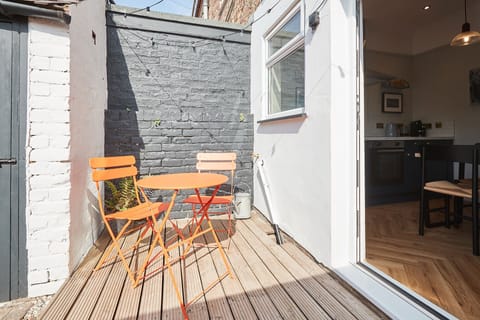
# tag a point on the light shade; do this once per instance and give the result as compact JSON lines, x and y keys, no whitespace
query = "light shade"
{"x":466,"y":37}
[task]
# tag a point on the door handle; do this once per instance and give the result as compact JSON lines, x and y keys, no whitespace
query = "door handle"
{"x":11,"y":161}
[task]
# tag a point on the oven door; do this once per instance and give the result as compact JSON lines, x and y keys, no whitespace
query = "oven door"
{"x":388,"y":166}
{"x":386,"y":172}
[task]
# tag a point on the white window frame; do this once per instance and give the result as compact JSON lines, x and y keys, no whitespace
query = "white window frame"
{"x":287,"y":49}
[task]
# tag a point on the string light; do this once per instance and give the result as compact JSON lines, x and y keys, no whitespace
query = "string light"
{"x":223,"y":38}
{"x":145,"y":8}
{"x":148,"y":72}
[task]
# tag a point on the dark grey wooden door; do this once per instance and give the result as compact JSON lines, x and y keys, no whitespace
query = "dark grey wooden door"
{"x":12,"y":160}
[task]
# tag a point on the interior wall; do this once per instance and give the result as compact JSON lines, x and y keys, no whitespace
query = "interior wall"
{"x":88,"y":101}
{"x":441,"y":89}
{"x":398,"y":66}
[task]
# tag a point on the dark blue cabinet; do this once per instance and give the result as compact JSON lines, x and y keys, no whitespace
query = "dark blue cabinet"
{"x":393,"y":170}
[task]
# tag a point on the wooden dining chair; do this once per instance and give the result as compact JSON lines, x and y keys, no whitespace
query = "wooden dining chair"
{"x":113,"y":169}
{"x":458,"y":189}
{"x":217,"y":162}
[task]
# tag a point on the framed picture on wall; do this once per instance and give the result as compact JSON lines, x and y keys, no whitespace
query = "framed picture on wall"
{"x":392,"y":102}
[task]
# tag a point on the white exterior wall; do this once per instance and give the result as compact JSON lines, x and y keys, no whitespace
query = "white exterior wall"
{"x":66,"y":101}
{"x":48,"y":156}
{"x":88,"y":102}
{"x":310,"y":162}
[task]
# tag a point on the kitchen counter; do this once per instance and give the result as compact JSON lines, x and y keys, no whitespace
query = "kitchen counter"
{"x":406,"y":138}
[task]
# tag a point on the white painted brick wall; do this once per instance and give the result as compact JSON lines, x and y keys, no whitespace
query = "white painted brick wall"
{"x":48,"y":156}
{"x":41,"y":289}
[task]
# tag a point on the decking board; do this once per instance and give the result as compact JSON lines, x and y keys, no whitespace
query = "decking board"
{"x":217,"y":303}
{"x":258,"y":297}
{"x":93,"y":290}
{"x":237,"y":299}
{"x":152,"y":291}
{"x":127,"y":307}
{"x":297,"y":293}
{"x":68,"y":294}
{"x":287,"y":308}
{"x":269,"y":282}
{"x":342,"y":293}
{"x":318,"y":293}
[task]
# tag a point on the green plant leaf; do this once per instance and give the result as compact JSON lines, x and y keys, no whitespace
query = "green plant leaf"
{"x":120,"y":195}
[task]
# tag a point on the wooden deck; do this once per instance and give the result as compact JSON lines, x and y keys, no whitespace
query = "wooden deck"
{"x":271,"y":282}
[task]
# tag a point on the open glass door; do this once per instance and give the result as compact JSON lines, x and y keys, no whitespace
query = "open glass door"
{"x":402,"y":67}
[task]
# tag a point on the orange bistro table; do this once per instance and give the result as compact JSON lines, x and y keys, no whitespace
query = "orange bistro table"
{"x":177,"y":182}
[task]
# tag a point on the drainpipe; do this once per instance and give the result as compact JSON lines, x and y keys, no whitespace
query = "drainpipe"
{"x":9,"y":8}
{"x":205,"y":9}
{"x":259,"y":163}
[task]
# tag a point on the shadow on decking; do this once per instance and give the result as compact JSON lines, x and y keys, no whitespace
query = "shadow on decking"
{"x":270,"y":282}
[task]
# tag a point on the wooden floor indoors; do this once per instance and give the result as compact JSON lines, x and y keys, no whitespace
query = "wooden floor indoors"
{"x":439,"y":266}
{"x":271,"y":282}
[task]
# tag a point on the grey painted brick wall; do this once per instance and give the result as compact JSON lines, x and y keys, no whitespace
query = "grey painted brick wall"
{"x":168,"y":100}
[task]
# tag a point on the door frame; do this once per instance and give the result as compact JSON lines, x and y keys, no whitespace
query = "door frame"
{"x":18,"y":249}
{"x":405,"y":297}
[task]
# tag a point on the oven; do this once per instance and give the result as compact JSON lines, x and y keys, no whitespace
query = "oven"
{"x":386,"y":171}
{"x":387,"y":162}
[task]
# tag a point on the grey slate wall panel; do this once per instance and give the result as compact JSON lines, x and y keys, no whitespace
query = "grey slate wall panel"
{"x":168,"y":100}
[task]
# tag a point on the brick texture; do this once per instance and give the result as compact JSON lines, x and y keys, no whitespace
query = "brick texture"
{"x":168,"y":100}
{"x":231,"y":10}
{"x":48,"y":152}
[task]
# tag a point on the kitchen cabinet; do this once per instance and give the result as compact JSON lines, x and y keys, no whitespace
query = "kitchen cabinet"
{"x":438,"y":171}
{"x":393,"y":169}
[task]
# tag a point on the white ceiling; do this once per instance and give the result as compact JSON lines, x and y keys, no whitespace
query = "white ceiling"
{"x":409,"y":14}
{"x":404,"y":20}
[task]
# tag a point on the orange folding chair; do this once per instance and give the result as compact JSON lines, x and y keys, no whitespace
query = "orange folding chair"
{"x":112,"y":169}
{"x":216,"y":162}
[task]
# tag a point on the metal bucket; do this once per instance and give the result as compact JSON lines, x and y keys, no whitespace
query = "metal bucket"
{"x":243,"y":206}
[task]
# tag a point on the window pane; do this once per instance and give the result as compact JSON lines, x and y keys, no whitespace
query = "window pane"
{"x":285,"y":34}
{"x":286,"y":83}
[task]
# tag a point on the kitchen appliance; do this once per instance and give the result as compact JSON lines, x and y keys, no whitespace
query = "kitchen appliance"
{"x":417,"y":129}
{"x":387,"y":163}
{"x":405,"y":130}
{"x":392,"y":129}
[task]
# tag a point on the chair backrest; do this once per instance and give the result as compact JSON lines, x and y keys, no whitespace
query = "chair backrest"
{"x":112,"y":168}
{"x":450,"y":153}
{"x":218,"y":161}
{"x":433,"y":156}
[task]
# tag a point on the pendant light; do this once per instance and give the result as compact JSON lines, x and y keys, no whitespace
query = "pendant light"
{"x":466,"y":37}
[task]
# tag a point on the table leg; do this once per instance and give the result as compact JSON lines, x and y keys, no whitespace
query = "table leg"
{"x":157,"y":238}
{"x":204,"y":211}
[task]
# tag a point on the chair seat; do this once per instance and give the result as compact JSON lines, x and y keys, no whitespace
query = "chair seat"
{"x":139,"y":212}
{"x":446,"y":187}
{"x":216,"y":200}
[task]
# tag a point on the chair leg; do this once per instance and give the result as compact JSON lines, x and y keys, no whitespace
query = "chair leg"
{"x":456,"y":211}
{"x":447,"y":211}
{"x":222,"y":253}
{"x":119,"y":249}
{"x":475,"y":233}
{"x":421,"y":217}
{"x":109,"y":249}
